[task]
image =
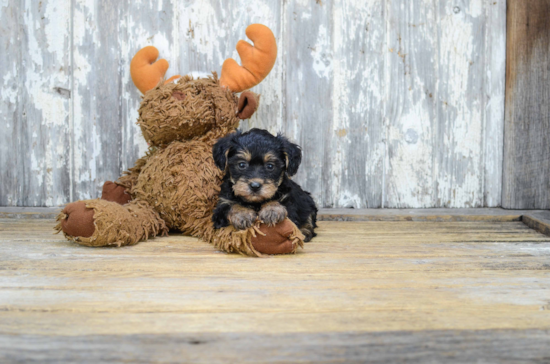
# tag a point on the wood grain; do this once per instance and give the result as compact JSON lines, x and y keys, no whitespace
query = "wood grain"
{"x":411,"y":110}
{"x":527,"y":142}
{"x":354,"y":156}
{"x":309,"y":76}
{"x":435,"y":214}
{"x":438,"y":346}
{"x":420,"y":290}
{"x":538,"y":220}
{"x":395,"y":105}
{"x":466,"y":215}
{"x":445,"y":80}
{"x":142,"y":23}
{"x":10,"y":59}
{"x":96,"y":96}
{"x":36,"y":135}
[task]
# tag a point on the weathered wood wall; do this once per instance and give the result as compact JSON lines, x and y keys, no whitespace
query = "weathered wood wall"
{"x":396,"y":103}
{"x":526,"y":183}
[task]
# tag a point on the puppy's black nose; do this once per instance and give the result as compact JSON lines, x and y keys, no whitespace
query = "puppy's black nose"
{"x":255,"y":186}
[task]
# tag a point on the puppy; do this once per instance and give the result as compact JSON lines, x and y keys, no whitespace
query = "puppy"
{"x":256,"y":184}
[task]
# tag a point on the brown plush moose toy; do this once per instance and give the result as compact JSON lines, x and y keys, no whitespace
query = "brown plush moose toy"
{"x":175,"y":185}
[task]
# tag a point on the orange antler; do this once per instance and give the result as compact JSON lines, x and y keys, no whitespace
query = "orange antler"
{"x":257,"y":60}
{"x":145,"y":72}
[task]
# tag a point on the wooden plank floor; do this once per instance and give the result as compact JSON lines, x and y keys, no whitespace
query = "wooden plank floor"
{"x":369,"y":290}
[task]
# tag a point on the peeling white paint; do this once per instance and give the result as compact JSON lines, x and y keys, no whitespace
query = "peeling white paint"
{"x":321,"y":54}
{"x":9,"y":89}
{"x":200,"y":22}
{"x":46,"y":112}
{"x":58,"y":15}
{"x":411,"y":165}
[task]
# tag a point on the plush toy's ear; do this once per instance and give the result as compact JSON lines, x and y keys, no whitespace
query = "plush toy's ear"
{"x":248,"y":104}
{"x":220,"y":151}
{"x":293,"y":155}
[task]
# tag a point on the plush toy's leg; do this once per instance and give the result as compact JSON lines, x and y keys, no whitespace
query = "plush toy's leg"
{"x":115,"y":193}
{"x":283,"y":238}
{"x":105,"y":223}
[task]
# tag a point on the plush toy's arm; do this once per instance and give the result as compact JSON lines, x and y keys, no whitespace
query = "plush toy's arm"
{"x":129,"y":177}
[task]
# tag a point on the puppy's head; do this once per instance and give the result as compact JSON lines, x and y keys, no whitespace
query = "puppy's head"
{"x":256,"y":162}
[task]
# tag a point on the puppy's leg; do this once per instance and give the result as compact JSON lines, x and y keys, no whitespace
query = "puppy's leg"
{"x":272,"y":213}
{"x":219,"y":217}
{"x":241,"y":217}
{"x":307,"y":229}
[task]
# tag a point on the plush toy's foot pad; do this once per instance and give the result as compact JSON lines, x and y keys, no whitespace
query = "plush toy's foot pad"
{"x":282,"y":238}
{"x":79,"y":220}
{"x":115,"y":193}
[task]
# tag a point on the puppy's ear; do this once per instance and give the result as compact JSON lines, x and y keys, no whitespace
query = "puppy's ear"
{"x":220,"y":150}
{"x":293,"y":155}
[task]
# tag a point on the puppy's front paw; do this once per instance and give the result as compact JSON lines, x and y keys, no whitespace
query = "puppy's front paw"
{"x":219,"y":220}
{"x":241,"y":217}
{"x":272,"y":213}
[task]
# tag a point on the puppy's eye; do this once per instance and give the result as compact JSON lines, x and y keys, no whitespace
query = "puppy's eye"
{"x":242,"y":165}
{"x":269,"y":166}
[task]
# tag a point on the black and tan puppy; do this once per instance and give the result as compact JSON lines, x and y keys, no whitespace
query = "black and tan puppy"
{"x":256,"y":184}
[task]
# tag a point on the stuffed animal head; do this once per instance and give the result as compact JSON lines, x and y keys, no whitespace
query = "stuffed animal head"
{"x":182,"y":108}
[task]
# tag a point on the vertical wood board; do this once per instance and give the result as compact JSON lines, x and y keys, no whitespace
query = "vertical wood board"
{"x":308,"y":89}
{"x":97,"y":96}
{"x":526,"y":180}
{"x":445,"y":100}
{"x":356,"y":133}
{"x":35,"y":105}
{"x":10,"y":64}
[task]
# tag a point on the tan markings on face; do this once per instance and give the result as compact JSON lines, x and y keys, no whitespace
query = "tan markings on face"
{"x":268,"y":190}
{"x":241,"y":189}
{"x":270,"y":157}
{"x":272,"y":213}
{"x":241,"y":217}
{"x":244,"y":154}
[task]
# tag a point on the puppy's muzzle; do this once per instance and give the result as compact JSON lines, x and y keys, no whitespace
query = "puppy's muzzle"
{"x":254,"y":190}
{"x":255,"y":186}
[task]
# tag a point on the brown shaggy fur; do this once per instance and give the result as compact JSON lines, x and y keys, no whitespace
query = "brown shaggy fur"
{"x":138,"y":220}
{"x":164,"y":118}
{"x":176,"y":184}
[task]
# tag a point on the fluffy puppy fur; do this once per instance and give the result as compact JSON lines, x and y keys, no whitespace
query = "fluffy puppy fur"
{"x":256,"y":184}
